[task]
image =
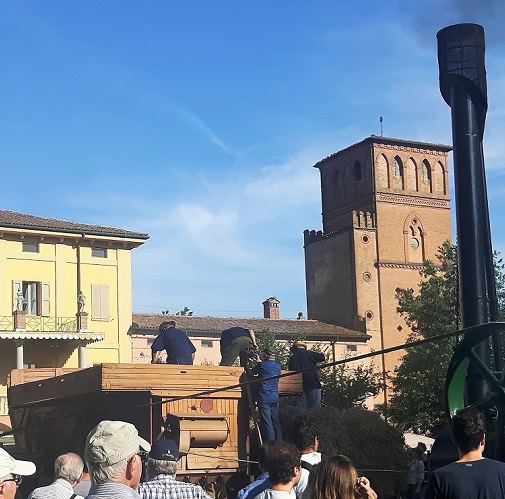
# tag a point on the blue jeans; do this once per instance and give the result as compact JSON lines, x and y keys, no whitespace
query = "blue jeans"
{"x":310,"y":399}
{"x":270,"y":425}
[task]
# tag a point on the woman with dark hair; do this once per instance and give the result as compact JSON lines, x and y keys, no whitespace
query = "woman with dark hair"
{"x":337,"y":478}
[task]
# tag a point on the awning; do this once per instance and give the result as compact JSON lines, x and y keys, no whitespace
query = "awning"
{"x":52,"y":335}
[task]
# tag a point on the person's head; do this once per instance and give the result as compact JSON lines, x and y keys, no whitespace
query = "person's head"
{"x":162,"y":458}
{"x":422,"y":447}
{"x":112,"y":452}
{"x":283,"y":463}
{"x":468,"y":430}
{"x":68,"y":466}
{"x":166,"y":325}
{"x":269,"y":353}
{"x":305,"y":437}
{"x":298,"y":344}
{"x":11,"y":472}
{"x":335,"y":477}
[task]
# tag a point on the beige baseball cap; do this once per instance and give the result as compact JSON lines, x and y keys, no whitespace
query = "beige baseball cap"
{"x":9,"y":465}
{"x":112,"y":441}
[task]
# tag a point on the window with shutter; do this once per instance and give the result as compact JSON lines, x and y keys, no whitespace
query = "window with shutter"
{"x":100,"y":302}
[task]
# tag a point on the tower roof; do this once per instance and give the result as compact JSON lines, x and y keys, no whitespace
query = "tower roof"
{"x":378,"y":139}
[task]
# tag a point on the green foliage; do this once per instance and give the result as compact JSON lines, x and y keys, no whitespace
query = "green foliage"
{"x":266,"y":339}
{"x":418,"y":400}
{"x":434,"y":309}
{"x":349,"y":385}
{"x":185,"y":311}
{"x":499,"y":277}
{"x":361,"y":435}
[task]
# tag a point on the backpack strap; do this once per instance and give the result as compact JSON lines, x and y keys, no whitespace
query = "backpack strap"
{"x":311,"y":468}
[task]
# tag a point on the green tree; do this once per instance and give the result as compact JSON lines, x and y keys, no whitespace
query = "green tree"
{"x":266,"y":339}
{"x":348,"y":385}
{"x":418,"y":400}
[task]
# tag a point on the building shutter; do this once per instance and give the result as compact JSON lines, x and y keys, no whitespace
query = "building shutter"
{"x":45,"y":299}
{"x":100,"y":302}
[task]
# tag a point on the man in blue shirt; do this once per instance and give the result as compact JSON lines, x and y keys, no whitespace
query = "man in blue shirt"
{"x":175,"y":342}
{"x":268,"y":396}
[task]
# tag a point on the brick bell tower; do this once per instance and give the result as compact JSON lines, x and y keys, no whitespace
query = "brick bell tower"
{"x":385,"y":209}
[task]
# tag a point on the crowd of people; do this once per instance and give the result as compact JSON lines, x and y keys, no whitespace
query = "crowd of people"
{"x":115,"y":457}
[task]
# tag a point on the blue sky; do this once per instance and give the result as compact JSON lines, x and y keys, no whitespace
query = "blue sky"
{"x":199,"y":121}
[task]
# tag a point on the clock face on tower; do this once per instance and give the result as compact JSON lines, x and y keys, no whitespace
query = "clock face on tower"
{"x":414,"y":243}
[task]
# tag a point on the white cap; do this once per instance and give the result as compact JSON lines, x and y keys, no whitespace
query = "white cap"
{"x":11,"y":466}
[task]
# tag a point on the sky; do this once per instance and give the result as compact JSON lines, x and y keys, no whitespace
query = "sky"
{"x":198,"y":122}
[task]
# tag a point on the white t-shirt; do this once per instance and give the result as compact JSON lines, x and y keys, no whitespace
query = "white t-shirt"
{"x":276,"y":494}
{"x":302,"y":489}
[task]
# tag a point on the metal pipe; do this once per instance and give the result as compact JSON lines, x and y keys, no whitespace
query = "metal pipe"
{"x":463,"y":86}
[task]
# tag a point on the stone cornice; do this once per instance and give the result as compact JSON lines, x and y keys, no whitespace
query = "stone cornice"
{"x":393,"y":198}
{"x":422,"y":150}
{"x":400,"y":265}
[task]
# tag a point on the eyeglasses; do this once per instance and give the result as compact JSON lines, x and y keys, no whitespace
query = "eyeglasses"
{"x":143,"y":454}
{"x":15,"y":478}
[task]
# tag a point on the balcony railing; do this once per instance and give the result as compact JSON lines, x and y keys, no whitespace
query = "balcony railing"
{"x":67,"y":324}
{"x":36,"y":323}
{"x":6,"y":323}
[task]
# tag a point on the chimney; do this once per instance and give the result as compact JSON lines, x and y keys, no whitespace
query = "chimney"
{"x":271,"y":308}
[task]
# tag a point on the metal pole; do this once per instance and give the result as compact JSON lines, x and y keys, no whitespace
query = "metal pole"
{"x":463,"y":86}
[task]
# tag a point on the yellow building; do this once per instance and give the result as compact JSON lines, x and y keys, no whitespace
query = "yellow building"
{"x":65,"y":294}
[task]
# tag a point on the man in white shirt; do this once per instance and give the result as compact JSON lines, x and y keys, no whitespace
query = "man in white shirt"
{"x":307,"y":441}
{"x":67,"y":473}
{"x":283,"y":466}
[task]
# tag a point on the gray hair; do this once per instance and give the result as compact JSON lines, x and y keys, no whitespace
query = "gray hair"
{"x":160,"y":467}
{"x":68,"y":466}
{"x":100,"y":473}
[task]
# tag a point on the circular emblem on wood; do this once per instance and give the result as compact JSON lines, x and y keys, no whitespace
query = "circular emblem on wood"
{"x":207,"y":405}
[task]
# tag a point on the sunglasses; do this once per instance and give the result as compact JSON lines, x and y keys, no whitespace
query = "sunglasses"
{"x":15,"y":478}
{"x":143,"y":454}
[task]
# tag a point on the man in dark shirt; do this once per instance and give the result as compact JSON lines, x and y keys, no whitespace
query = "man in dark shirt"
{"x":235,"y":342}
{"x":472,"y":476}
{"x":300,"y":359}
{"x":268,"y":396}
{"x":175,"y":342}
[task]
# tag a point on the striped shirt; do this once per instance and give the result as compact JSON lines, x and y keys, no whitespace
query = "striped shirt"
{"x":111,"y":490}
{"x":59,"y":489}
{"x":166,"y":486}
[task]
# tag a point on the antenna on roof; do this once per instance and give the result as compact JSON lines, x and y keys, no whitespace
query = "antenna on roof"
{"x":380,"y":120}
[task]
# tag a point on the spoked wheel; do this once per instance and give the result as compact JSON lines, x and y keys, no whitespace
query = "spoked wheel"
{"x":466,"y":357}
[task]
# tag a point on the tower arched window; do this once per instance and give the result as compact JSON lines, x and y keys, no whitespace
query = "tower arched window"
{"x":425,"y":171}
{"x":397,"y":167}
{"x":357,"y":173}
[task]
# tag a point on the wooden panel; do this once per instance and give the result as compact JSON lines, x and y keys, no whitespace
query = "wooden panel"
{"x":158,"y":377}
{"x":57,"y":388}
{"x":216,"y":459}
{"x":19,"y":376}
{"x":291,"y":385}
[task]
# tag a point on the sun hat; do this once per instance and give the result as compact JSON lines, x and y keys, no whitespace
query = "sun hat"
{"x":110,"y":442}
